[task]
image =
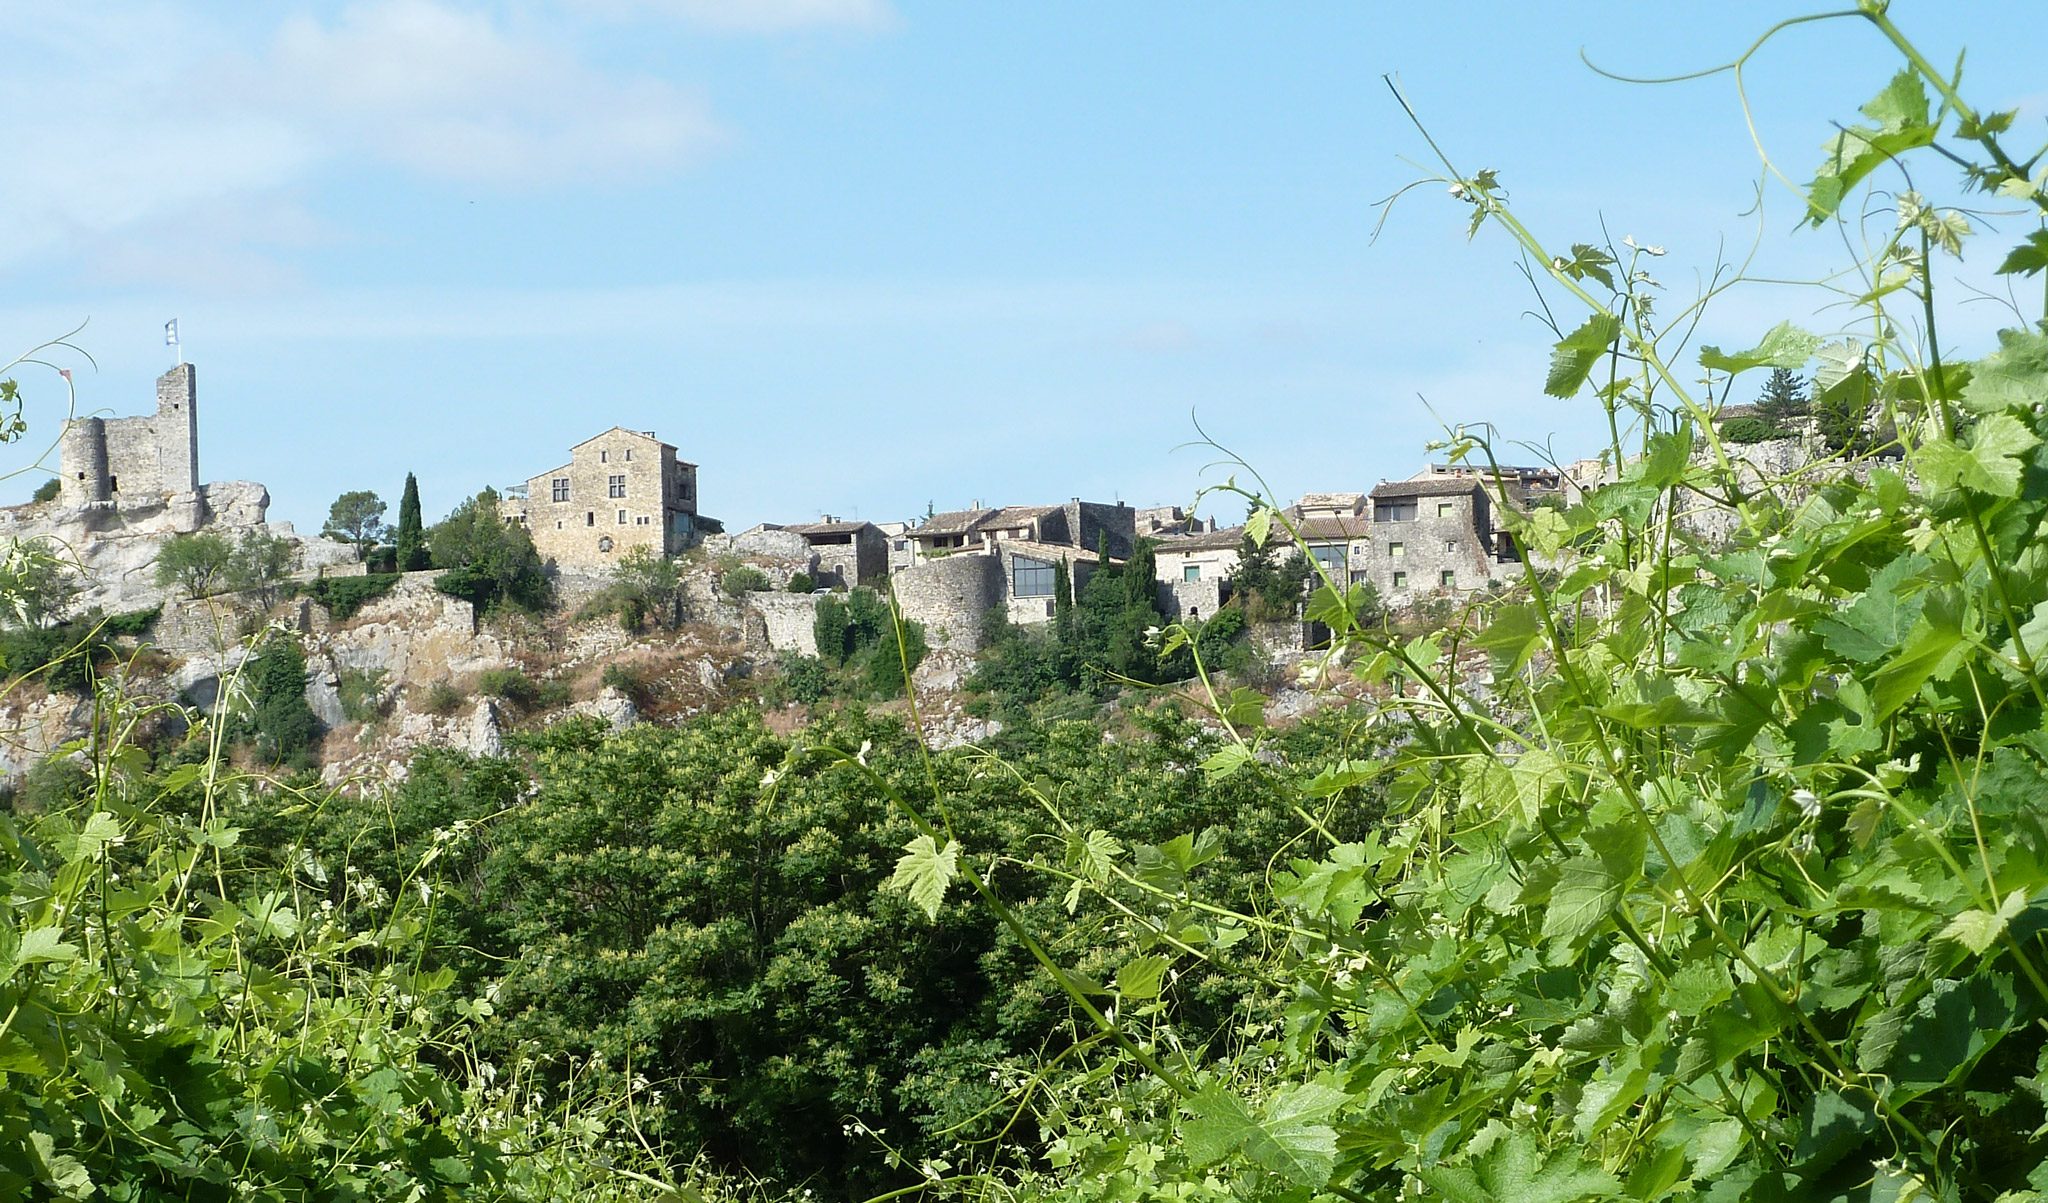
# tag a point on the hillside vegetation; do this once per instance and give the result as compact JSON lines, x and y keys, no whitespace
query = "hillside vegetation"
{"x":1726,"y":878}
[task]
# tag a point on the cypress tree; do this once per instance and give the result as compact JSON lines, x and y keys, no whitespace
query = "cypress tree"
{"x":1063,"y":603}
{"x":411,"y":538}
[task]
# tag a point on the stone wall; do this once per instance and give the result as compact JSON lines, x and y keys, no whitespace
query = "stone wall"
{"x":951,"y":595}
{"x":135,"y":460}
{"x":1193,"y":599}
{"x":591,"y":528}
{"x":788,"y":621}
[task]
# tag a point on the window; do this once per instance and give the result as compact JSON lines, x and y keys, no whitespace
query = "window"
{"x":640,"y":522}
{"x":617,"y":486}
{"x":1360,"y":576}
{"x":629,"y":455}
{"x":1450,"y":546}
{"x":1397,"y":550}
{"x":1400,"y":580}
{"x":1030,"y":578}
{"x":902,"y":545}
{"x":602,"y":456}
{"x":683,"y":487}
{"x":1330,"y":557}
{"x":1191,"y":572}
{"x":604,"y":542}
{"x":1446,"y":509}
{"x":558,"y":488}
{"x":558,"y":524}
{"x":1450,"y":580}
{"x":1394,"y":511}
{"x":622,"y":517}
{"x":590,"y":517}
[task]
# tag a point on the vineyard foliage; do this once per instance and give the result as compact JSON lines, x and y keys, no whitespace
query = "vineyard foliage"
{"x":1729,"y":879}
{"x":1726,"y":879}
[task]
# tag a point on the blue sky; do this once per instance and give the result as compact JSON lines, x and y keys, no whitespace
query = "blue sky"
{"x":858,"y":256}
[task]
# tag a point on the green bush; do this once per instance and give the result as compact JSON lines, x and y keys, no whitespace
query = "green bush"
{"x":278,"y":724}
{"x":742,"y":579}
{"x":508,"y":684}
{"x":48,"y":490}
{"x":798,"y":678}
{"x":801,"y":583}
{"x":443,"y":698}
{"x":362,"y":694}
{"x":636,"y":681}
{"x":344,"y":595}
{"x":1749,"y":430}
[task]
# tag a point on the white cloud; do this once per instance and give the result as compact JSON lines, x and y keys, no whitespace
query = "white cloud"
{"x":450,"y":93}
{"x":152,"y":142}
{"x":754,"y":16}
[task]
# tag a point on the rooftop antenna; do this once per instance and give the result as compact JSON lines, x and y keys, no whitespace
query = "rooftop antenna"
{"x":171,"y":339}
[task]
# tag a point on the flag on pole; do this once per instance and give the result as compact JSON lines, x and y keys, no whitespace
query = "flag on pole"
{"x":171,"y":333}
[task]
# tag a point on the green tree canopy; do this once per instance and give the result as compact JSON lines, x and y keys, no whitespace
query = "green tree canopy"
{"x":486,"y":560}
{"x":356,"y":517}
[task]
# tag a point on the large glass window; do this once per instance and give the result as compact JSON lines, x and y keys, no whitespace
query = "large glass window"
{"x":1030,"y":578}
{"x":1330,"y":557}
{"x":1394,"y":511}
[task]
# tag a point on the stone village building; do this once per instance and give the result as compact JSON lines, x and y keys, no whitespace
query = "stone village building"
{"x":112,"y":460}
{"x":847,"y":554}
{"x":620,"y":490}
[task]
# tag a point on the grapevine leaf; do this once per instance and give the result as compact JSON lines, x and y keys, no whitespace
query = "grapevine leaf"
{"x":1901,"y":113}
{"x":1978,"y":930}
{"x":1141,"y":977}
{"x":1290,"y":1138}
{"x":1226,"y":761}
{"x":1259,"y":526}
{"x":1577,"y":353}
{"x":39,"y":946}
{"x":1989,"y":464}
{"x":1586,"y":891}
{"x":2014,"y":376}
{"x":1879,"y":620}
{"x":2028,"y":258}
{"x":1784,"y":346}
{"x":1516,"y":1169}
{"x":924,"y":871}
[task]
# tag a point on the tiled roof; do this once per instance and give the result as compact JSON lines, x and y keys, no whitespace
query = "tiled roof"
{"x":828,"y":528}
{"x":1449,"y":486}
{"x":1019,"y":515}
{"x":1229,"y":537}
{"x":952,"y":522}
{"x":1354,"y":527}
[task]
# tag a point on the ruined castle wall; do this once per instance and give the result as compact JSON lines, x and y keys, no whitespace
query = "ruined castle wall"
{"x":789,"y":621}
{"x":951,"y":595}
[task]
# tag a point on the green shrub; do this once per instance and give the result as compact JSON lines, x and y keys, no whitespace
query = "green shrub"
{"x":636,"y":681}
{"x":362,"y":694}
{"x":278,"y":724}
{"x":443,"y":698}
{"x":48,"y":490}
{"x":344,"y":595}
{"x":798,"y":678}
{"x":52,"y":783}
{"x":742,"y":579}
{"x":508,"y":684}
{"x":1747,"y":430}
{"x":801,"y":583}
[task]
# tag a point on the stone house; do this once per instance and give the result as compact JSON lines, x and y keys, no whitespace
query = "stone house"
{"x":1092,"y":525}
{"x":1432,"y":535}
{"x":1194,"y":571}
{"x":897,"y":538}
{"x":848,"y":554}
{"x":620,"y":490}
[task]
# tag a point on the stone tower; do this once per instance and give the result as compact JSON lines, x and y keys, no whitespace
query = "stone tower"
{"x":139,"y":459}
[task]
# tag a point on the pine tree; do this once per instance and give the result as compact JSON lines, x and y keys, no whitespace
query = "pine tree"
{"x":1783,"y":399}
{"x":411,"y":537}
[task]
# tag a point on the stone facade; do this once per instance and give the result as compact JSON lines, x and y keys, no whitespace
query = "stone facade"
{"x":620,"y":490}
{"x":783,"y":622}
{"x":951,"y":596}
{"x":1089,"y":525}
{"x":848,"y":554}
{"x":143,"y":459}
